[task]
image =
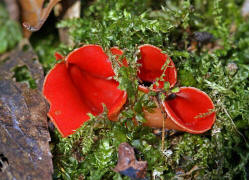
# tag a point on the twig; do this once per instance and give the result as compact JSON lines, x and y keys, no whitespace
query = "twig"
{"x":158,"y":99}
{"x":163,"y":133}
{"x":202,"y":115}
{"x":228,"y":115}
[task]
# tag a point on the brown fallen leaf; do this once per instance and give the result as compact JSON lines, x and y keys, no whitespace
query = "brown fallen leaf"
{"x":24,"y":136}
{"x":127,"y":163}
{"x":31,"y":13}
{"x":42,"y":16}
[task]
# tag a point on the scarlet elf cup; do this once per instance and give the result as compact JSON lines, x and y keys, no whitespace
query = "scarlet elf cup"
{"x":83,"y":81}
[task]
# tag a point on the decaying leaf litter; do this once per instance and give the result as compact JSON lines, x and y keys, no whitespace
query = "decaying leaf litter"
{"x":185,"y":155}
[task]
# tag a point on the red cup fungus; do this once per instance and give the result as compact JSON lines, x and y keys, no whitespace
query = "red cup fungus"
{"x":190,"y":110}
{"x":83,"y":81}
{"x":79,"y":85}
{"x":152,"y":62}
{"x":116,"y":51}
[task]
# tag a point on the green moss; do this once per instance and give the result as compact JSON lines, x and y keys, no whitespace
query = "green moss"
{"x":10,"y":31}
{"x":22,"y":74}
{"x":170,"y":26}
{"x":193,"y":150}
{"x":186,"y":78}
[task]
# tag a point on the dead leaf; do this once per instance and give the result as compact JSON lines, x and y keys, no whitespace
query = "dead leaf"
{"x":24,"y":136}
{"x":40,"y":14}
{"x":127,"y":163}
{"x":31,"y":13}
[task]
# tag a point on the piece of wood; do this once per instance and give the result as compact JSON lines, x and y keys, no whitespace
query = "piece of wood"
{"x":69,"y":9}
{"x":13,"y":9}
{"x":24,"y":136}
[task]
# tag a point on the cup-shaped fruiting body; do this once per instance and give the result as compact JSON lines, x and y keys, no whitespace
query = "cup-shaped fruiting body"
{"x":190,"y":110}
{"x":118,"y":53}
{"x":155,"y":64}
{"x":79,"y":85}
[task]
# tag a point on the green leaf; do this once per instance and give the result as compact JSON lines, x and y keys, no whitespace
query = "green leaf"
{"x":3,"y":46}
{"x":10,"y":31}
{"x":166,"y":86}
{"x":175,"y":90}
